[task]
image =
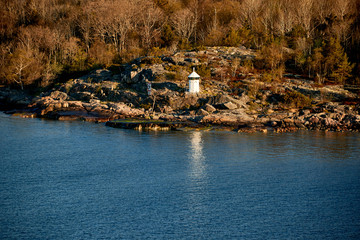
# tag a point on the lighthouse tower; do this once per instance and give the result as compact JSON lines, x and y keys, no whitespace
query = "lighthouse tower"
{"x":194,"y":82}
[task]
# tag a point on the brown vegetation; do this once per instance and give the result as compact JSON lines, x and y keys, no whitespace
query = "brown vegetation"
{"x":44,"y":39}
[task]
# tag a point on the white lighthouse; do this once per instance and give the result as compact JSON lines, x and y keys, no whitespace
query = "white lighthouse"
{"x":194,"y":82}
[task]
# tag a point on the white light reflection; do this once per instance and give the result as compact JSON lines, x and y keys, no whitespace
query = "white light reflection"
{"x":197,"y":176}
{"x":197,"y":163}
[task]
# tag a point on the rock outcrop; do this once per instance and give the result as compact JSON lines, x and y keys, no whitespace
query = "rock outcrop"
{"x":245,"y":104}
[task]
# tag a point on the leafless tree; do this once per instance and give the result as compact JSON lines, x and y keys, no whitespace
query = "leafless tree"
{"x":24,"y":66}
{"x":149,"y":21}
{"x":184,"y":23}
{"x":305,"y":15}
{"x":113,"y":20}
{"x":249,"y":10}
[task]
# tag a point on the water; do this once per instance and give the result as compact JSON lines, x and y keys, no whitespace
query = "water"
{"x":77,"y":180}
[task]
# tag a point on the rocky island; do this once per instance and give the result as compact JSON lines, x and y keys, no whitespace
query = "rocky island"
{"x":232,"y":96}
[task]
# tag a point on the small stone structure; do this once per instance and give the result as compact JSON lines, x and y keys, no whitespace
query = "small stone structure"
{"x":194,"y":82}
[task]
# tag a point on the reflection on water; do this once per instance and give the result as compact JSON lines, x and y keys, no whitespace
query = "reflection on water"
{"x":197,"y":188}
{"x":197,"y":163}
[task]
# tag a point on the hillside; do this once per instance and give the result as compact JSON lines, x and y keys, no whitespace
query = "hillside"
{"x":235,"y":96}
{"x":44,"y":42}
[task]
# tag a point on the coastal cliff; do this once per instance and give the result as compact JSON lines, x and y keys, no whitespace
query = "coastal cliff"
{"x":233,"y":96}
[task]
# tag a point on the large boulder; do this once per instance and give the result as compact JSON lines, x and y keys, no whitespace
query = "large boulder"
{"x":162,"y":85}
{"x":82,"y":96}
{"x":229,"y":105}
{"x":224,"y":101}
{"x":75,"y":104}
{"x":98,"y":75}
{"x":227,"y":118}
{"x":328,"y":122}
{"x":157,"y":70}
{"x":13,"y":98}
{"x":57,"y":95}
{"x":186,"y":101}
{"x":136,"y":79}
{"x":209,"y":108}
{"x":202,"y":112}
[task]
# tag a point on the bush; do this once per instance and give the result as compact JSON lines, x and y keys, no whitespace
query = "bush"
{"x":151,"y":60}
{"x":237,"y":87}
{"x":254,"y":90}
{"x":203,"y":70}
{"x":296,"y":99}
{"x":273,"y":75}
{"x":232,"y":39}
{"x":173,"y":68}
{"x":199,"y":48}
{"x":266,"y":77}
{"x":156,"y":51}
{"x":247,"y":66}
{"x":170,"y":76}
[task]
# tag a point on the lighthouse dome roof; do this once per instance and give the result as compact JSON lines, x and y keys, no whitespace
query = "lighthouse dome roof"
{"x":193,"y":75}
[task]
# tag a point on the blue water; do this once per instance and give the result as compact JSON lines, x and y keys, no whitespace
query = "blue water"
{"x":78,"y":180}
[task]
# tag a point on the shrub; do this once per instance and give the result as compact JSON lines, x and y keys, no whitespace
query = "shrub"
{"x":129,"y":55}
{"x":173,"y":68}
{"x":273,"y":75}
{"x":151,"y":60}
{"x":296,"y":99}
{"x":203,"y":70}
{"x":232,"y":39}
{"x":272,"y":56}
{"x":253,"y":90}
{"x":237,"y":87}
{"x":184,"y":44}
{"x":214,"y":38}
{"x":199,"y":48}
{"x":266,"y":77}
{"x":247,"y":66}
{"x":146,"y":106}
{"x":98,"y":89}
{"x":156,"y":51}
{"x":170,"y":76}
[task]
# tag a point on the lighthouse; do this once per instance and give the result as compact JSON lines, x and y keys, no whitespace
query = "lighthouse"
{"x":194,"y":82}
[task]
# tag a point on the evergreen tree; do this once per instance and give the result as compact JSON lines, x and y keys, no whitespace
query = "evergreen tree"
{"x":342,"y":70}
{"x":317,"y":60}
{"x":336,"y":61}
{"x":232,"y":39}
{"x":334,"y":53}
{"x":167,"y":36}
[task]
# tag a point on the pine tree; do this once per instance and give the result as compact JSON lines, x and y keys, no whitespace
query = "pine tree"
{"x":167,"y":35}
{"x":232,"y":39}
{"x":342,"y":70}
{"x":333,"y":55}
{"x":317,"y":60}
{"x":336,"y":61}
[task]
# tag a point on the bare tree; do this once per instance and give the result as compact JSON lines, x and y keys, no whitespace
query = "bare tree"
{"x":149,"y":21}
{"x":113,"y":20}
{"x":249,"y":11}
{"x":305,"y":15}
{"x":342,"y":7}
{"x":184,"y":23}
{"x":84,"y":22}
{"x":24,"y":66}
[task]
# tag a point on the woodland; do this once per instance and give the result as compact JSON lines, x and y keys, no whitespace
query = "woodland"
{"x":44,"y":42}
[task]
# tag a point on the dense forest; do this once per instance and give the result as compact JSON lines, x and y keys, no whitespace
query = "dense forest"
{"x":43,"y":41}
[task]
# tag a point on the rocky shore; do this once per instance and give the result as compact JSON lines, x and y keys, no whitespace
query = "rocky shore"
{"x":231,"y":97}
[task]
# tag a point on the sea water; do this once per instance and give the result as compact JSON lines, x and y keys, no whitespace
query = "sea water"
{"x":78,"y":180}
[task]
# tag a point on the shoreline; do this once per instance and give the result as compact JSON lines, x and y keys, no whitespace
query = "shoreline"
{"x":242,"y":102}
{"x":330,"y":116}
{"x":170,"y":122}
